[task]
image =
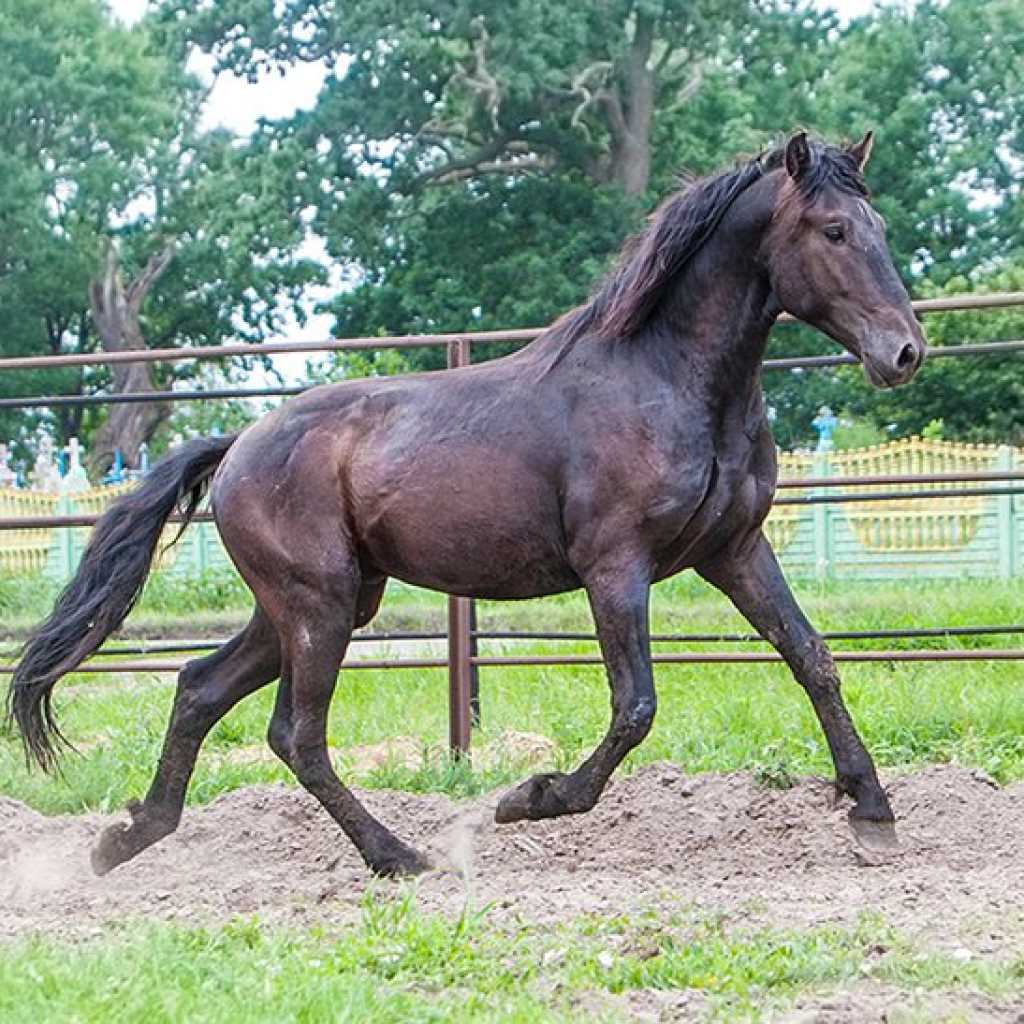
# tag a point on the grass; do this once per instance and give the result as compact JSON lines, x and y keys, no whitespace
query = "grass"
{"x":400,"y":964}
{"x":711,"y":718}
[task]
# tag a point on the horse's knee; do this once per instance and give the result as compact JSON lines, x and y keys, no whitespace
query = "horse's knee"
{"x":279,"y":739}
{"x":637,"y":720}
{"x":817,"y":667}
{"x":190,"y":678}
{"x":194,"y":705}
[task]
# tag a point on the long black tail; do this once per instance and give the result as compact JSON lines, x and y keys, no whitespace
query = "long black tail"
{"x":105,"y":588}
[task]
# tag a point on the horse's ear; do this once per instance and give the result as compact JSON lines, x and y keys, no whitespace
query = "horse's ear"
{"x":861,"y":151}
{"x":798,"y":156}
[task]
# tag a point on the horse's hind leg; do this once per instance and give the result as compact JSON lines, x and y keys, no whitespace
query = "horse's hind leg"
{"x":207,"y":689}
{"x":750,"y":576}
{"x":314,"y":641}
{"x":618,"y":599}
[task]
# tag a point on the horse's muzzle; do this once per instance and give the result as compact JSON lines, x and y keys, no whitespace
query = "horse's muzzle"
{"x":892,"y":358}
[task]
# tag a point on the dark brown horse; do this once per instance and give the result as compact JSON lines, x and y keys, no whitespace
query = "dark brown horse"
{"x":628,"y":442}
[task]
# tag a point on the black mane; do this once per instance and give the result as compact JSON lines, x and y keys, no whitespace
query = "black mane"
{"x":650,"y":260}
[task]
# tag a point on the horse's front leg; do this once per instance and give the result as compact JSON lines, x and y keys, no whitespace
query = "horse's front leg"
{"x":618,"y":599}
{"x":750,"y":576}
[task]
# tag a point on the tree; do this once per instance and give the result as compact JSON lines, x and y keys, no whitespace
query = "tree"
{"x":101,"y":144}
{"x":477,"y":166}
{"x":116,"y":311}
{"x":81,"y":100}
{"x":438,"y":93}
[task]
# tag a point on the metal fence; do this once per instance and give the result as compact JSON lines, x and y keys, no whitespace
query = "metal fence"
{"x":463,"y":661}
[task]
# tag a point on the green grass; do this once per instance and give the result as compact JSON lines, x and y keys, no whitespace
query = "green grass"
{"x":711,"y":717}
{"x":404,"y":965}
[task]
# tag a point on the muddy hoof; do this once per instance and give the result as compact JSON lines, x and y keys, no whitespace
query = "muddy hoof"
{"x":877,"y":838}
{"x":536,"y":798}
{"x":121,"y":842}
{"x":400,"y":862}
{"x":114,"y":848}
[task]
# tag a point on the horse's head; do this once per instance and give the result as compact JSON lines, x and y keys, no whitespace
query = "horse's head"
{"x":830,"y":265}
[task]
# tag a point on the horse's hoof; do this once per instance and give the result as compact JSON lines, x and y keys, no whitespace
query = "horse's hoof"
{"x":877,"y":839}
{"x":111,"y":850}
{"x":532,"y":800}
{"x":401,"y":862}
{"x":121,"y":842}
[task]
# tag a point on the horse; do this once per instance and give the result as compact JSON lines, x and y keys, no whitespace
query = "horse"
{"x":626,"y":443}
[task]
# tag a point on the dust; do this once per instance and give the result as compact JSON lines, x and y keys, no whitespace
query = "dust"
{"x":520,"y":750}
{"x":453,"y":847}
{"x":33,"y":870}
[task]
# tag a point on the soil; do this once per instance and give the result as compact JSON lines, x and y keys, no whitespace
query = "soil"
{"x":723,"y":843}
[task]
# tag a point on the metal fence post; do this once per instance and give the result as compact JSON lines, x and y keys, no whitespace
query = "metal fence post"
{"x":823,"y":522}
{"x":1006,"y":520}
{"x":463,"y":685}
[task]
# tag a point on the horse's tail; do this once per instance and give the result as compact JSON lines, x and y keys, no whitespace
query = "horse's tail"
{"x":106,"y":586}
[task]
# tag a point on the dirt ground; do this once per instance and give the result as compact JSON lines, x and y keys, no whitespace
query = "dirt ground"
{"x":720,"y":842}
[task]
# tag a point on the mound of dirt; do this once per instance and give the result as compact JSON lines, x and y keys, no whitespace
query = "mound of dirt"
{"x":716,"y":841}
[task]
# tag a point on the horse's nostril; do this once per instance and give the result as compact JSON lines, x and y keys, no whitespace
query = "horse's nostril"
{"x":908,"y":354}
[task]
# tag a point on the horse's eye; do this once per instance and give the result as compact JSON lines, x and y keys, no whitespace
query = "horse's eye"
{"x":834,"y":233}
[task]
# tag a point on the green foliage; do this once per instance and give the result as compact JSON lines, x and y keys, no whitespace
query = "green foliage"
{"x":774,"y":769}
{"x":167,"y":596}
{"x":477,"y":166}
{"x":471,"y":165}
{"x":853,"y":432}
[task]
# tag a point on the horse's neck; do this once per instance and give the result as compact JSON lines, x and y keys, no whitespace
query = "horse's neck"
{"x":719,"y":316}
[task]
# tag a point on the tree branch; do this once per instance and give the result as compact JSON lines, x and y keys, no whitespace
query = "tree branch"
{"x":519,"y":165}
{"x":116,"y":309}
{"x":689,"y":90}
{"x":485,"y":153}
{"x":140,"y":287}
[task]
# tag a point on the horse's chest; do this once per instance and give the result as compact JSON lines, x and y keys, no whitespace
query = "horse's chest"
{"x":730,"y":500}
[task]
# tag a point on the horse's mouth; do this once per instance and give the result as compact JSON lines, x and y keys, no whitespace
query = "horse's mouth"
{"x":877,"y":378}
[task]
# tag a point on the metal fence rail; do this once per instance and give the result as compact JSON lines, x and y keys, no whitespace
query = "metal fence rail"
{"x":157,"y":667}
{"x":463,"y":660}
{"x":153,"y":647}
{"x":989,"y":477}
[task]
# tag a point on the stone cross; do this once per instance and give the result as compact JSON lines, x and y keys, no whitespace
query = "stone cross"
{"x":76,"y":478}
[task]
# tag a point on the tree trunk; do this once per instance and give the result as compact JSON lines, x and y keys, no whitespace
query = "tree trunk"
{"x":629,"y":107}
{"x":115,"y":312}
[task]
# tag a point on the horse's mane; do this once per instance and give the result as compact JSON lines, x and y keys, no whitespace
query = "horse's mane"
{"x":650,"y":260}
